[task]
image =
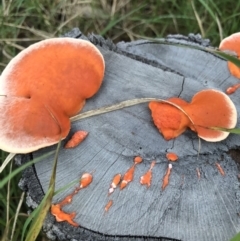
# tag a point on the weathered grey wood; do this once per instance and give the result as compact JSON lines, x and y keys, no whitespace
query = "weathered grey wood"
{"x":188,"y":209}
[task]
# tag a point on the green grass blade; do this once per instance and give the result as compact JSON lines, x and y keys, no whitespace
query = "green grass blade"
{"x":226,"y":56}
{"x":233,"y":130}
{"x":112,"y":23}
{"x":34,"y":213}
{"x":236,"y":238}
{"x":21,"y":168}
{"x":40,"y":215}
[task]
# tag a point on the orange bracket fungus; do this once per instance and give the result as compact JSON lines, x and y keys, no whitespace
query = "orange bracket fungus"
{"x":170,"y":121}
{"x":231,"y":44}
{"x":76,"y":139}
{"x":208,"y":109}
{"x":42,"y":87}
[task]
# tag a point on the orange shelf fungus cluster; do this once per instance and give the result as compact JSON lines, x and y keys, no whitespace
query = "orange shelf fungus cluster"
{"x":56,"y":209}
{"x":77,"y":138}
{"x":208,"y":108}
{"x":42,"y":87}
{"x":231,"y":44}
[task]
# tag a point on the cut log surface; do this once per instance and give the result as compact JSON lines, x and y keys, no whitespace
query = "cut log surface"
{"x":189,"y":208}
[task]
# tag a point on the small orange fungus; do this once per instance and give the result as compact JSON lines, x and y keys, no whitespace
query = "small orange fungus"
{"x":109,"y":204}
{"x":62,"y":216}
{"x":76,"y":139}
{"x":137,"y":159}
{"x":166,"y":177}
{"x":220,"y":169}
{"x":232,"y":89}
{"x":171,"y":156}
{"x":146,"y":179}
{"x":128,"y":177}
{"x":116,"y":180}
{"x":85,"y":180}
{"x":56,"y":210}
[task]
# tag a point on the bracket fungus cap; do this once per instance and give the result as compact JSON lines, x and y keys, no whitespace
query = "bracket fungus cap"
{"x":232,"y":44}
{"x":42,"y":87}
{"x":211,"y":108}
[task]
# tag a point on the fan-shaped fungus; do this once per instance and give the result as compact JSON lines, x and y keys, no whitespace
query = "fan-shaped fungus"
{"x":43,"y":86}
{"x":232,"y":43}
{"x":208,"y":108}
{"x":211,"y":108}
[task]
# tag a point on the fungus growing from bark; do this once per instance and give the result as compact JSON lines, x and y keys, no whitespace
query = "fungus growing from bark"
{"x":146,"y":179}
{"x":42,"y":87}
{"x":171,"y":156}
{"x":232,"y":44}
{"x":77,"y":138}
{"x":208,"y":109}
{"x":116,"y":180}
{"x":211,"y":108}
{"x":169,"y":120}
{"x":166,"y":177}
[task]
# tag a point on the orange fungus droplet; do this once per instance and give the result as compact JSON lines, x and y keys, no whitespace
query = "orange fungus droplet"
{"x":76,"y":139}
{"x":232,"y":89}
{"x":171,"y":156}
{"x":146,"y":179}
{"x":128,"y":177}
{"x":62,"y":216}
{"x":109,"y":204}
{"x":138,"y":159}
{"x":116,"y":180}
{"x":166,"y":177}
{"x":85,"y":180}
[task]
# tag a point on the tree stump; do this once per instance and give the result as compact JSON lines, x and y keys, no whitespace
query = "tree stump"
{"x":189,"y":208}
